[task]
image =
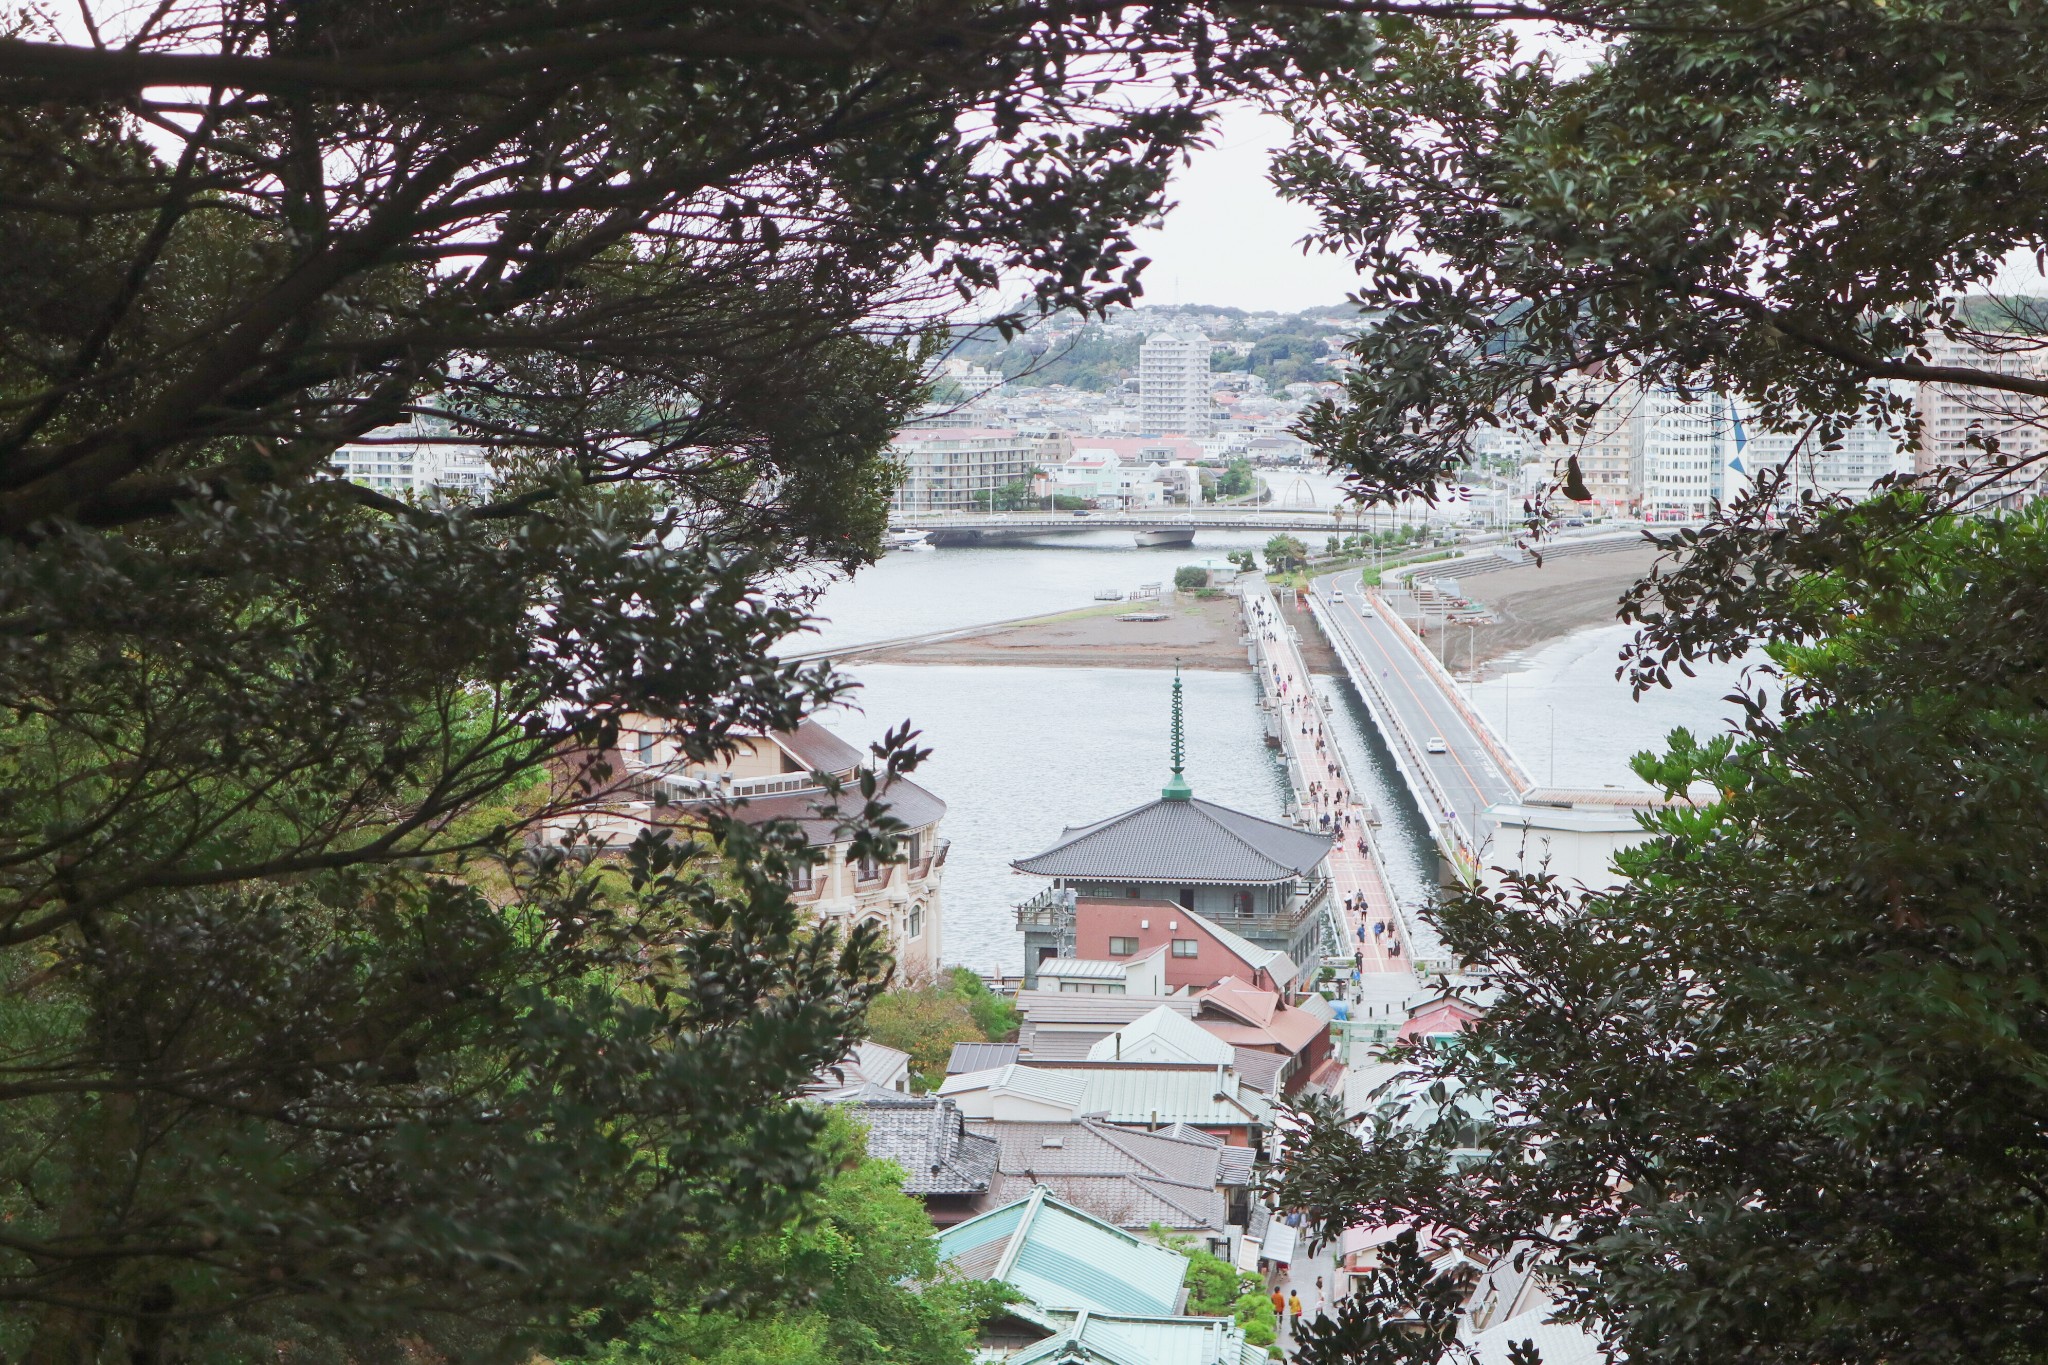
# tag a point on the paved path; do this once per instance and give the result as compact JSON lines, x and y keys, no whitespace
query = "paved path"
{"x":1318,"y":762}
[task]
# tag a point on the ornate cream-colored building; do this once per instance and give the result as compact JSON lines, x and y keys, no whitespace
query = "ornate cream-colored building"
{"x":776,"y":777}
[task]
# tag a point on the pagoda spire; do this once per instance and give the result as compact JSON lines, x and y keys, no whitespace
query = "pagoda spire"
{"x":1178,"y":789}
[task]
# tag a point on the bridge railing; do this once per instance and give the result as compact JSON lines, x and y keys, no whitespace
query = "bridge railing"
{"x":1438,"y":809}
{"x":1476,"y":723}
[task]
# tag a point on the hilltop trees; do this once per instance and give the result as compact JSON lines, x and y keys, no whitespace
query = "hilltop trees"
{"x":1779,"y":1097}
{"x":1789,"y":207}
{"x":300,"y":1048}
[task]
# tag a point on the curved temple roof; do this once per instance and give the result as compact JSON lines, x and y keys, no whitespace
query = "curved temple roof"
{"x":1186,"y":842}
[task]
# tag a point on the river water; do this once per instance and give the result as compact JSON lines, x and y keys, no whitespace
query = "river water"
{"x":1020,"y":753}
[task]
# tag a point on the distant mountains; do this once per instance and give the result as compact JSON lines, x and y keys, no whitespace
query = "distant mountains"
{"x":1281,"y":348}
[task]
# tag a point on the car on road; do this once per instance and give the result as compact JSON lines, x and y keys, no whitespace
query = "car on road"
{"x":1368,"y":613}
{"x":1084,"y":514}
{"x":1435,"y":744}
{"x":1338,"y":596}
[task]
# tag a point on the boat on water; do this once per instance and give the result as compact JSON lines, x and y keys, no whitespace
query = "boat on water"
{"x":902,"y":538}
{"x":1110,"y":595}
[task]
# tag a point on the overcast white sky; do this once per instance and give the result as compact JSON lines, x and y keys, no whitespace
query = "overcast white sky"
{"x":1230,"y":240}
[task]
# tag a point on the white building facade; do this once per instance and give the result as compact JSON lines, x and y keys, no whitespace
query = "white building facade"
{"x":1684,"y":445}
{"x":1173,"y":384}
{"x":415,"y":457}
{"x":957,"y":469}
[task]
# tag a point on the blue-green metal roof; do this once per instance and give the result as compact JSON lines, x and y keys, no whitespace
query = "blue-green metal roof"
{"x":1060,"y":1257}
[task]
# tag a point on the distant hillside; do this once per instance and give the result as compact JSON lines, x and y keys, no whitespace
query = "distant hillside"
{"x":1284,"y":347}
{"x":2019,"y":314}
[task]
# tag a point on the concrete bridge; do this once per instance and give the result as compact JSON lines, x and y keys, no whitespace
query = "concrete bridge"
{"x":1164,"y":527}
{"x":1415,"y":701}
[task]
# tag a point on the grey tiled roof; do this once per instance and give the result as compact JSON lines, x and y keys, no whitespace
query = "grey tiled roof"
{"x":1112,"y":1012}
{"x":979,"y":1057}
{"x":1128,"y":1201}
{"x":1121,"y":1175}
{"x":907,"y":801}
{"x":925,"y":1135}
{"x":1188,"y":842}
{"x":1260,"y":1070}
{"x":1235,"y":1166}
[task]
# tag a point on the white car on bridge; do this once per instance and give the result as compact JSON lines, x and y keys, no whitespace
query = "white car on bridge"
{"x":1435,"y":744}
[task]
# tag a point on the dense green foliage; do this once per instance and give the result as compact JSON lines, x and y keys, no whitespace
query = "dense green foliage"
{"x":307,"y":1049}
{"x":1218,"y":1289}
{"x":851,"y":1280}
{"x":1237,"y":480}
{"x":1285,"y":553}
{"x":1011,"y":497}
{"x":926,"y":1020}
{"x":1782,"y":205}
{"x":1780,"y":1096}
{"x":1190,"y":577}
{"x":1284,"y":350}
{"x":1285,"y":355}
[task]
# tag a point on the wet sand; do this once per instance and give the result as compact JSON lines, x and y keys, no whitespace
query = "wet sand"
{"x":1535,"y":606}
{"x":1195,"y":634}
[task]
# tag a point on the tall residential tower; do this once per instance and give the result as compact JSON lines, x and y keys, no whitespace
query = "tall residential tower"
{"x":1173,"y":384}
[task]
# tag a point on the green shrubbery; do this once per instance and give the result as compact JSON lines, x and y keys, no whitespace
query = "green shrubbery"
{"x":925,"y":1021}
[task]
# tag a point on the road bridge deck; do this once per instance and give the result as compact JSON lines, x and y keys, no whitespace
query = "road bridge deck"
{"x":1418,"y":708}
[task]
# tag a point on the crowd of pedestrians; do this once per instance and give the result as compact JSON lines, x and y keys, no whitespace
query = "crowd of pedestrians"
{"x":1328,"y":804}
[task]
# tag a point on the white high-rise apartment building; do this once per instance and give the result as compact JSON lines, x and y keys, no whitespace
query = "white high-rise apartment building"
{"x":1867,"y":454}
{"x":1949,"y":414}
{"x":1173,"y":384}
{"x":414,"y":457}
{"x":1684,"y":448}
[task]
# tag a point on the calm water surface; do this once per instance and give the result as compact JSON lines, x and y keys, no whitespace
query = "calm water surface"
{"x":1020,"y":753}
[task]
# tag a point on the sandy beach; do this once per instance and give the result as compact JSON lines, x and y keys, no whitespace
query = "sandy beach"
{"x":1534,"y":606}
{"x":1195,"y":634}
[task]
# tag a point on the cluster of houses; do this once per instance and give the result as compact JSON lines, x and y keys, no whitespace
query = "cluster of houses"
{"x":1170,"y":1011}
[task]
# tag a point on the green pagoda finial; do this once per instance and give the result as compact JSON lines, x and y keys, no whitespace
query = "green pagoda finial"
{"x":1178,"y":789}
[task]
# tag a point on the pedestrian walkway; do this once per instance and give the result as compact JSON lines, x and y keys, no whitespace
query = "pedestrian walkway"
{"x":1325,"y":796}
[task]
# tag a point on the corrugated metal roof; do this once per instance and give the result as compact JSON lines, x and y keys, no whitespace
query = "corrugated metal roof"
{"x":1259,"y":1070}
{"x":1139,"y":1095}
{"x":1161,"y":1036}
{"x":1559,"y":1343}
{"x":1092,"y":1147}
{"x":1056,"y":1044}
{"x":1111,"y":1011}
{"x":979,"y":1057}
{"x":1246,"y":1003}
{"x":1060,"y":1257}
{"x":1119,"y":1340}
{"x":1276,"y":964}
{"x":1319,"y":1006}
{"x":1082,"y":969}
{"x":1184,"y":842}
{"x":1065,"y":1088}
